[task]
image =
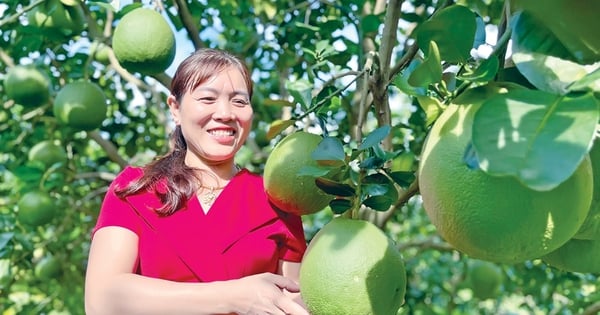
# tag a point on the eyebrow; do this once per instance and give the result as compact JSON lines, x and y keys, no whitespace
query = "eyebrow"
{"x":235,"y":92}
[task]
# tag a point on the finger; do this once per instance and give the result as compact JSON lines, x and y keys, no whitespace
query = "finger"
{"x":285,"y":283}
{"x":288,"y":306}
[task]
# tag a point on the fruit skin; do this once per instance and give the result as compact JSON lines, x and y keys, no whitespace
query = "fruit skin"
{"x":352,"y":267}
{"x":48,"y":268}
{"x":485,"y":279}
{"x":494,"y":218}
{"x":590,"y":229}
{"x":27,"y":86}
{"x":576,"y":256}
{"x":36,"y":208}
{"x":286,"y":190}
{"x":47,"y":153}
{"x":144,"y":42}
{"x":55,"y":19}
{"x":81,"y":105}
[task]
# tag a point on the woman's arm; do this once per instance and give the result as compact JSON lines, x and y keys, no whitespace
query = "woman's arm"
{"x":112,"y":288}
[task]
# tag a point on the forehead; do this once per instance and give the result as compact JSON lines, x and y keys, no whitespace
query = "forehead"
{"x":229,"y":76}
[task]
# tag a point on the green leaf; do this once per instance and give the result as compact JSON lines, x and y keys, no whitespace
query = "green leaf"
{"x":432,"y":108}
{"x":429,"y":71}
{"x":537,"y":137}
{"x":330,"y":151}
{"x":378,"y":203}
{"x":301,"y":90}
{"x":453,"y":29}
{"x":277,"y":127}
{"x":529,"y":35}
{"x":314,"y":171}
{"x":279,"y":103}
{"x":485,"y":72}
{"x":339,"y":206}
{"x":375,"y":137}
{"x":401,"y":81}
{"x":403,"y":178}
{"x":590,"y":82}
{"x":552,"y":74}
{"x":334,"y":188}
{"x":370,"y":23}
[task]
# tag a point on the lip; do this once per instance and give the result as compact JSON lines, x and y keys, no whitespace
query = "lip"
{"x":222,"y":135}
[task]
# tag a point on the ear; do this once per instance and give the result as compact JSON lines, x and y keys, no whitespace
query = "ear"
{"x":173,"y":108}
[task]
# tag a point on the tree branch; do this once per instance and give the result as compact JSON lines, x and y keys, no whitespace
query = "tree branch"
{"x":188,"y":22}
{"x":15,"y":17}
{"x":109,"y":148}
{"x":592,"y":309}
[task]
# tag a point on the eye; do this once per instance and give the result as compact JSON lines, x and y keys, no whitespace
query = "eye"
{"x":206,"y":99}
{"x":240,"y":102}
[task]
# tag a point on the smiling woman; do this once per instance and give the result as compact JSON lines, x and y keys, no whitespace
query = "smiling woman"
{"x":196,"y":233}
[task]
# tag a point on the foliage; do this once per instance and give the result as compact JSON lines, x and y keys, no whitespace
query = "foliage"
{"x":371,"y":76}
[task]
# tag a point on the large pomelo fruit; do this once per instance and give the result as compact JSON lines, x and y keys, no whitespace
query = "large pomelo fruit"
{"x":494,"y":218}
{"x":352,"y":267}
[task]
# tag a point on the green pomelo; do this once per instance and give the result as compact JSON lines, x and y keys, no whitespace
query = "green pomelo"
{"x":352,"y":267}
{"x":287,"y":190}
{"x":27,"y":86}
{"x":36,"y":208}
{"x":48,"y":268}
{"x":80,"y":105}
{"x":494,"y":218}
{"x":48,"y":153}
{"x":576,"y":256}
{"x":485,"y":279}
{"x":56,"y":19}
{"x":590,"y":230}
{"x":144,"y":42}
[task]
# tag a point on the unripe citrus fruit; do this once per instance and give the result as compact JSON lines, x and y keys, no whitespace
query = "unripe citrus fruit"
{"x":494,"y":218}
{"x":144,"y":42}
{"x":576,"y":256}
{"x":48,"y":153}
{"x":100,"y":52}
{"x":485,"y":279}
{"x":81,"y":105}
{"x":352,"y":267}
{"x":49,"y":267}
{"x":57,"y":19}
{"x":590,"y":229}
{"x":36,"y":208}
{"x":286,"y":189}
{"x":27,"y":86}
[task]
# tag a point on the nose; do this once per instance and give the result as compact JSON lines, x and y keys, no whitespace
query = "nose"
{"x":223,"y":111}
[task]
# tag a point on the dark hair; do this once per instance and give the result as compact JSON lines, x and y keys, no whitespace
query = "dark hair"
{"x":181,"y":180}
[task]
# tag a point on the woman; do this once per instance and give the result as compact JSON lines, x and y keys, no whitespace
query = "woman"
{"x":191,"y":233}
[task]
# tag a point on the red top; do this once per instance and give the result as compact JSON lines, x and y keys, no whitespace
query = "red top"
{"x":241,"y":235}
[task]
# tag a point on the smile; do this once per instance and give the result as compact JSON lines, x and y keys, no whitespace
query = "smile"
{"x":222,"y":133}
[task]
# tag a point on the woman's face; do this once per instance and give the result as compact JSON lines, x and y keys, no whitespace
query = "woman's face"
{"x":215,"y":118}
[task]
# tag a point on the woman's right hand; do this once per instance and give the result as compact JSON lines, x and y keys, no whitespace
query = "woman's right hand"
{"x":264,"y":294}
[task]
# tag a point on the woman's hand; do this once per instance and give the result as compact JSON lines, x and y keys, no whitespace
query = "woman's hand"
{"x":263,"y":294}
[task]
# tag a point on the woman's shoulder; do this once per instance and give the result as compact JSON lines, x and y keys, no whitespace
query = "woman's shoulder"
{"x":128,"y":174}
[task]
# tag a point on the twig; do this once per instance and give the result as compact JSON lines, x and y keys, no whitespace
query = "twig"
{"x":592,"y":309}
{"x":15,"y":17}
{"x":426,"y":244}
{"x":188,"y":22}
{"x":108,"y":147}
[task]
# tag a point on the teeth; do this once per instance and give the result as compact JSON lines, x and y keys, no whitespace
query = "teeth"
{"x":219,"y":133}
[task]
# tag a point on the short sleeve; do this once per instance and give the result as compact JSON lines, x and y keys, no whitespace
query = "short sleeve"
{"x":116,"y":211}
{"x":295,"y":242}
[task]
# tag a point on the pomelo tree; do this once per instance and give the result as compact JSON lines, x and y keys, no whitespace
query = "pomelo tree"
{"x":371,"y":77}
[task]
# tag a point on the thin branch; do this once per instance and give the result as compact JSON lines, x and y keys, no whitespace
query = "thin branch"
{"x":109,"y":148}
{"x":15,"y":17}
{"x":426,"y":244}
{"x":188,"y":22}
{"x":404,"y":61}
{"x":389,"y":37}
{"x":592,"y":309}
{"x":163,"y":78}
